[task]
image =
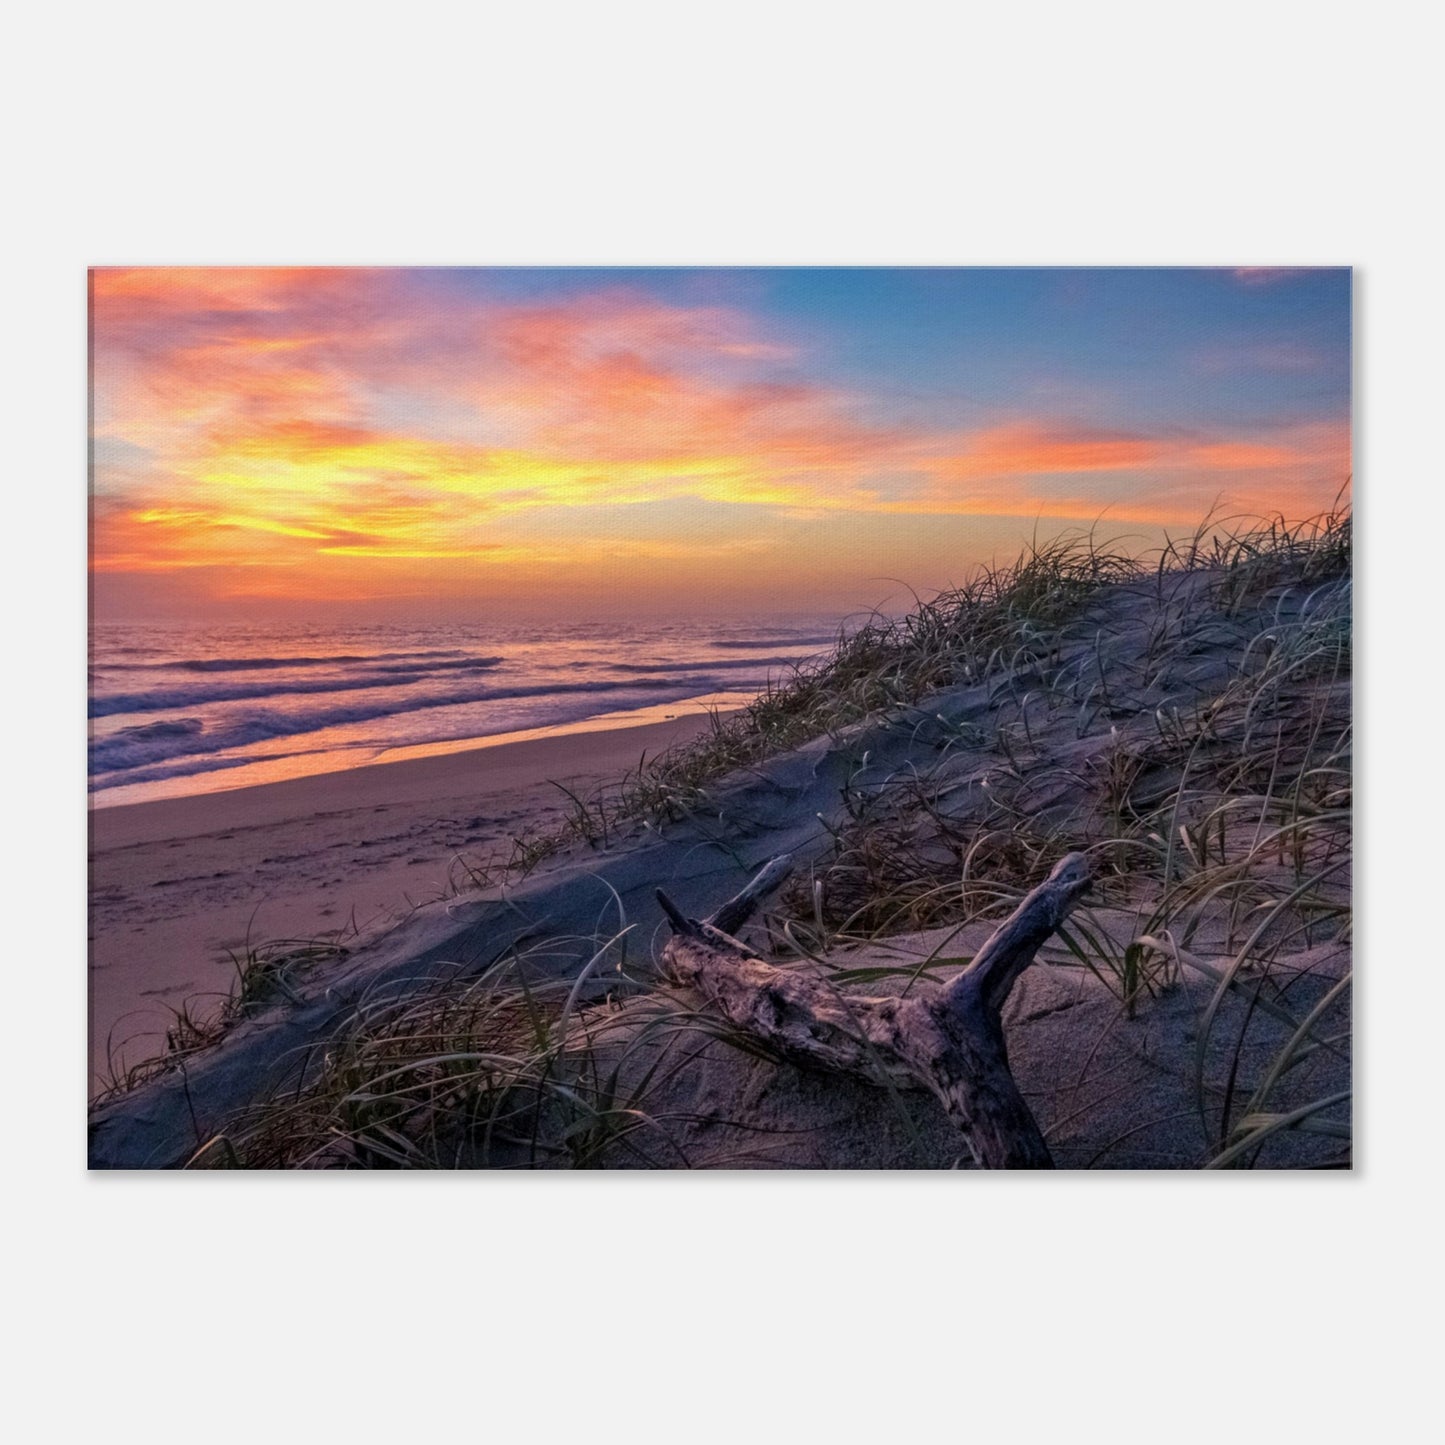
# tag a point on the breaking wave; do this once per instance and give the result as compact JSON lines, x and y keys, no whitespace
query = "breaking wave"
{"x":154,"y":743}
{"x":109,"y":704}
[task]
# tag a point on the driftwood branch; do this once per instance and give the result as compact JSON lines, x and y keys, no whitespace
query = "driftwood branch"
{"x":951,"y":1041}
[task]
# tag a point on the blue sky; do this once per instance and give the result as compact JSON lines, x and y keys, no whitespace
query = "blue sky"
{"x":498,"y":438}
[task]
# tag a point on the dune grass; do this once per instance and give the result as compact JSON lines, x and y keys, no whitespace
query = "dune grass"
{"x":266,"y":973}
{"x":499,"y":1070}
{"x":1003,"y":620}
{"x":1222,"y":828}
{"x":1184,"y":718}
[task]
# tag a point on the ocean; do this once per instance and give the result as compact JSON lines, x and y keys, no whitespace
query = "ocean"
{"x":180,"y":709}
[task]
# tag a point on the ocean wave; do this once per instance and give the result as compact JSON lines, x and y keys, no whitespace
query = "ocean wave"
{"x":776,"y":642}
{"x":176,"y":727}
{"x":252,"y":664}
{"x":712,"y":664}
{"x":156,"y":743}
{"x":158,"y":699}
{"x":186,"y":768}
{"x":460,"y":664}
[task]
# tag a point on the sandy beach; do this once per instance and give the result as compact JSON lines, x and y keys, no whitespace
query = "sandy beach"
{"x":1033,"y":625}
{"x":176,"y":885}
{"x":1156,"y":1035}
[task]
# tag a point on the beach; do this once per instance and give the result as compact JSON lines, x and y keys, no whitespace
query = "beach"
{"x":304,"y":781}
{"x":1033,"y":623}
{"x":582,"y":1012}
{"x":178,"y":885}
{"x":195,"y":708}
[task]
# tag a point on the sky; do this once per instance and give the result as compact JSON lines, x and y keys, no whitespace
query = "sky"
{"x":433,"y":444}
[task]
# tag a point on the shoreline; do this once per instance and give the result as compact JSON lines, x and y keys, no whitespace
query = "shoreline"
{"x":267,"y":772}
{"x":176,"y":884}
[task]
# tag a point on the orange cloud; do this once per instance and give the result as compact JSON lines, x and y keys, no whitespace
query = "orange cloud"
{"x":1037,"y":449}
{"x":316,"y":423}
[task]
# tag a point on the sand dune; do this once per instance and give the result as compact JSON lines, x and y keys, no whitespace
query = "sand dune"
{"x":1191,"y":732}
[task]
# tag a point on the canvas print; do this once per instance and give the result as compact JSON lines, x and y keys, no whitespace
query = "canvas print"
{"x":720,"y":718}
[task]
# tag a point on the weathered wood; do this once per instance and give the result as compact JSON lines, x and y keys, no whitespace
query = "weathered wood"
{"x":736,"y":911}
{"x":1012,"y":945}
{"x":951,"y":1042}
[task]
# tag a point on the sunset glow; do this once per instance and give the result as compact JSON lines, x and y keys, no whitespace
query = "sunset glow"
{"x":391,"y":442}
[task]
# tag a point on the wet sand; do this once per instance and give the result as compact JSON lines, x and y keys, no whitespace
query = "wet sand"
{"x":179,"y":883}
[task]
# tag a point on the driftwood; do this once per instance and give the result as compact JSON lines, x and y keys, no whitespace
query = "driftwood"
{"x":951,"y":1041}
